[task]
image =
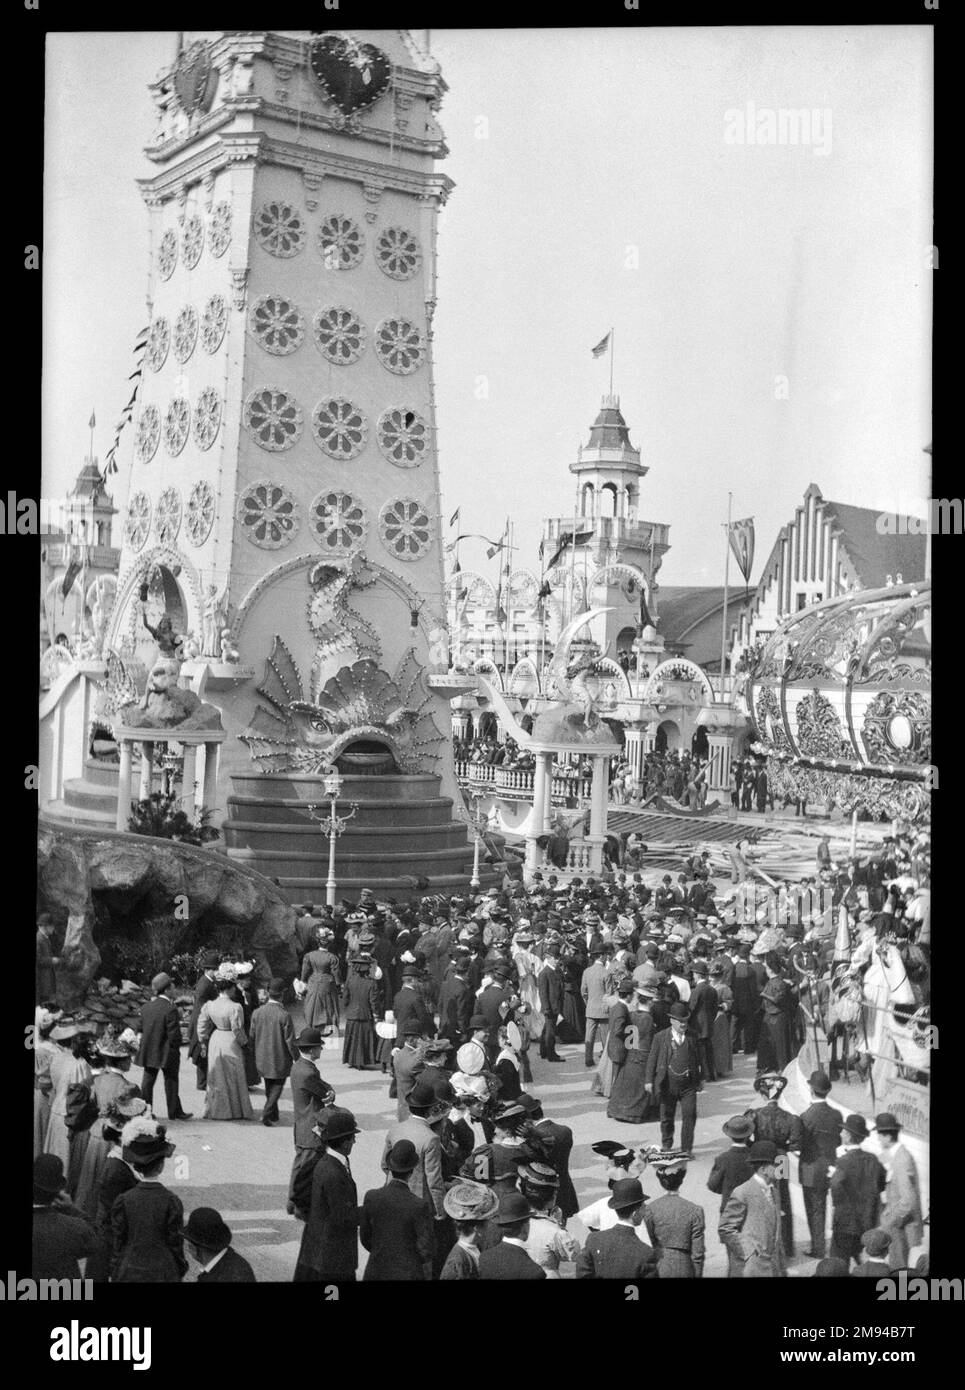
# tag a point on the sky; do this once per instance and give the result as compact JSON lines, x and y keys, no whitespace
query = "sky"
{"x":770,"y":302}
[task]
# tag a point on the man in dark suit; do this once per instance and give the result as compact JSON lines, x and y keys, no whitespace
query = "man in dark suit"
{"x":160,"y":1049}
{"x":550,"y":985}
{"x":703,"y":1004}
{"x":456,"y":1002}
{"x":62,"y":1235}
{"x":396,"y":1225}
{"x":747,"y":1005}
{"x":731,"y":1169}
{"x":673,"y":1075}
{"x":857,"y":1183}
{"x":409,"y":1004}
{"x":509,"y":1259}
{"x":204,"y":990}
{"x":330,"y":1246}
{"x":493,"y":1004}
{"x":310,"y":1095}
{"x":209,"y":1244}
{"x":619,"y":1253}
{"x":820,"y":1137}
{"x":273,"y":1039}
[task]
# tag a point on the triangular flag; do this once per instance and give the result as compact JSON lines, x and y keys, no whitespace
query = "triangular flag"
{"x":601,"y":346}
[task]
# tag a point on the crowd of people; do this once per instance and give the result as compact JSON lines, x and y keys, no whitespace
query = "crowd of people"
{"x":448,"y":997}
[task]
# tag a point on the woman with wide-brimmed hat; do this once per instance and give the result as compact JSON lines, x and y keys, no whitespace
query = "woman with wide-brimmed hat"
{"x":147,"y":1223}
{"x":72,"y":1078}
{"x":675,"y":1226}
{"x":222,"y":1033}
{"x":112,"y":1065}
{"x":362,"y":1001}
{"x":116,"y":1177}
{"x":628,"y":1044}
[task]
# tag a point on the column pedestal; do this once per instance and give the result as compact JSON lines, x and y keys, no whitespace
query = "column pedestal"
{"x":124,"y":786}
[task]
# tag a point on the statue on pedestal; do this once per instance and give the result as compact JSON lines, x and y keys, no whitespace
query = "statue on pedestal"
{"x":214,"y":616}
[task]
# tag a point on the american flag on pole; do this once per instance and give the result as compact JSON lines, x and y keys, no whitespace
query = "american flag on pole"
{"x":601,"y":346}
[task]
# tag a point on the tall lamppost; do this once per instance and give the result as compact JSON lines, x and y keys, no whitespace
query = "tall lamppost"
{"x":478,"y":821}
{"x":332,"y":826}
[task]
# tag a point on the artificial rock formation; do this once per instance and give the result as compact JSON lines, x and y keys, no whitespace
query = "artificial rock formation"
{"x":78,"y":868}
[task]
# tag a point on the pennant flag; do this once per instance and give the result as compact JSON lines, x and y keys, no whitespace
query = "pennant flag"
{"x":91,"y":422}
{"x":495,"y":546}
{"x":741,"y":537}
{"x":544,"y":591}
{"x":644,"y":619}
{"x":568,"y":538}
{"x":601,"y":346}
{"x":455,"y":516}
{"x":73,"y":570}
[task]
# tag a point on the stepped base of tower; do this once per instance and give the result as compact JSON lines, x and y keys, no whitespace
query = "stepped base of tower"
{"x":402,"y":834}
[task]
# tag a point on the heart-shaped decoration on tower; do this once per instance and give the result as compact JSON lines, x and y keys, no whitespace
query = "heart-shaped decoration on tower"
{"x":352,"y":75}
{"x":195,"y":79}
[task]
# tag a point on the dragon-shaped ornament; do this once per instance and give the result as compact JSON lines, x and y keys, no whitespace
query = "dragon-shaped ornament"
{"x":352,"y":700}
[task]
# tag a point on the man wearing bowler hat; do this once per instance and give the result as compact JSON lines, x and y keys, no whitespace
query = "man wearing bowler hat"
{"x":820,"y":1137}
{"x":731,"y":1168}
{"x":62,"y":1234}
{"x":857,"y":1183}
{"x":408,"y":1061}
{"x":618,"y":1252}
{"x":509,"y":1259}
{"x":160,"y":1049}
{"x":901,"y":1217}
{"x":310,"y":1095}
{"x":396,"y":1226}
{"x":674,"y":1076}
{"x":330,"y":1248}
{"x":409,"y":1003}
{"x":750,"y":1224}
{"x":204,"y":991}
{"x":209,"y":1244}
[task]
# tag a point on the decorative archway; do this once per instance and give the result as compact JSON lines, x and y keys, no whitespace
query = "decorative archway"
{"x":487,"y":667}
{"x":625,"y":574}
{"x":524,"y":671}
{"x":677,"y":668}
{"x":181,"y":591}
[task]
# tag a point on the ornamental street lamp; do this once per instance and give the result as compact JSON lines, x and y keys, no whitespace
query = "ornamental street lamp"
{"x":478,"y":821}
{"x":332,"y":826}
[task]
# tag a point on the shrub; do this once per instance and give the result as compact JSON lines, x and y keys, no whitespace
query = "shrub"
{"x":160,"y":815}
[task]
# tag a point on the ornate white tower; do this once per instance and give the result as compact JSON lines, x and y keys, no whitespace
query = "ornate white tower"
{"x":616,"y":554}
{"x":284,"y":479}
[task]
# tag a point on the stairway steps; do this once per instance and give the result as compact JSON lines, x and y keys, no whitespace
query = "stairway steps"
{"x":60,"y":813}
{"x":277,"y":811}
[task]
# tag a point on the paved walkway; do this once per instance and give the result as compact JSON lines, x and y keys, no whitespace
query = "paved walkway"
{"x":242,"y":1168}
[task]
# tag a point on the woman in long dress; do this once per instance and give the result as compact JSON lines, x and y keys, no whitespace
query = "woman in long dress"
{"x":720,"y":1034}
{"x":221,"y":1033}
{"x":507,"y":1069}
{"x":573,"y":1027}
{"x":111,"y":1084}
{"x":631,"y":1035}
{"x":70,"y":1073}
{"x":117,"y":1177}
{"x":320,"y":971}
{"x":44,"y":1052}
{"x":675,"y":1226}
{"x":362,"y":1002}
{"x":602,"y":1082}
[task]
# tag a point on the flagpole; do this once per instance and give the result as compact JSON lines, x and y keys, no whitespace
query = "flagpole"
{"x":612,"y":335}
{"x":723,"y":621}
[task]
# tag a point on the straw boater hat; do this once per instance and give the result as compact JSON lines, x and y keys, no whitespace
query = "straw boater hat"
{"x":470,"y":1201}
